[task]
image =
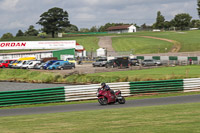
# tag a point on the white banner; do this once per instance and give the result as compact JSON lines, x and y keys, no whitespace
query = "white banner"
{"x":37,"y":45}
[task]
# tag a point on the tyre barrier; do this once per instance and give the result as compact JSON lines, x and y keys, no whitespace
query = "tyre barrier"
{"x":87,"y":92}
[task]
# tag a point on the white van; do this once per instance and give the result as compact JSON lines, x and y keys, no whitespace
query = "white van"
{"x":30,"y":64}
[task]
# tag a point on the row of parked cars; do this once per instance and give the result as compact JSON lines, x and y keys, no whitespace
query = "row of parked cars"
{"x":31,"y":63}
{"x":125,"y":61}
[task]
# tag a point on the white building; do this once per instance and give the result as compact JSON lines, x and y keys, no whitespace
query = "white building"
{"x":122,"y":29}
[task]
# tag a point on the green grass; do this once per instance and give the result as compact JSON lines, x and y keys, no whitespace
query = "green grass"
{"x":179,"y":118}
{"x":140,"y":45}
{"x":160,"y":73}
{"x":190,"y":40}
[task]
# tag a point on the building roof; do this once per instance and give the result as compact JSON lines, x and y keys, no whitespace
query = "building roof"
{"x":121,"y":27}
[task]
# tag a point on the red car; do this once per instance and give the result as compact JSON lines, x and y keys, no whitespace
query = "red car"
{"x":5,"y":63}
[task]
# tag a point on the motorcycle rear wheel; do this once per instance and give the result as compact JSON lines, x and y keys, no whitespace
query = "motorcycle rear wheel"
{"x":121,"y":101}
{"x":103,"y":101}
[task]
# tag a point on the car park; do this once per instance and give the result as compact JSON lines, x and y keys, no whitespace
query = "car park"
{"x":100,"y":62}
{"x":151,"y":62}
{"x":134,"y":62}
{"x":55,"y":65}
{"x":66,"y":65}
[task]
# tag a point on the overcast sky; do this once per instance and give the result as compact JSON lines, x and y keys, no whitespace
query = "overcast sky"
{"x":20,"y":14}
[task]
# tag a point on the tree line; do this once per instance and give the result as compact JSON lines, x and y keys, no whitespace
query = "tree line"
{"x":55,"y":20}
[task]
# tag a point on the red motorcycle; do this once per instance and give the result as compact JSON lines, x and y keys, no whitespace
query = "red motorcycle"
{"x":106,"y":97}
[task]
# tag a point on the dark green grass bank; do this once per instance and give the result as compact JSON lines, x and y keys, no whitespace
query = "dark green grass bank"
{"x":160,"y":73}
{"x":181,"y":118}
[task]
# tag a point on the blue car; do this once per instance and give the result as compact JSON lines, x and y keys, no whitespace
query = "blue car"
{"x":48,"y":63}
{"x":56,"y":65}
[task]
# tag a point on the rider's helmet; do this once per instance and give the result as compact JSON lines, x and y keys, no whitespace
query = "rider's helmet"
{"x":103,"y":84}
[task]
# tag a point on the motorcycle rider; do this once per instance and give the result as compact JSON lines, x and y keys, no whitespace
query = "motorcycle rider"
{"x":107,"y":88}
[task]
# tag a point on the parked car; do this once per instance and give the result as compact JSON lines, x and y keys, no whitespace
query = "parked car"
{"x":71,"y":60}
{"x":22,"y":61}
{"x":5,"y":63}
{"x":56,"y":65}
{"x":38,"y":65}
{"x":112,"y":63}
{"x":100,"y":62}
{"x":134,"y":62}
{"x":11,"y":63}
{"x":151,"y":62}
{"x":30,"y":64}
{"x":66,"y":65}
{"x":48,"y":63}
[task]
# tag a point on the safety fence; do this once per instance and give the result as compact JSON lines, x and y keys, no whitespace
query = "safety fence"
{"x":191,"y":85}
{"x":86,"y":92}
{"x":156,"y":86}
{"x":8,"y":98}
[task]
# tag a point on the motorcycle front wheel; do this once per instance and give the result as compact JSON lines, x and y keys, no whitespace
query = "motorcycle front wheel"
{"x":122,"y":100}
{"x":103,"y":101}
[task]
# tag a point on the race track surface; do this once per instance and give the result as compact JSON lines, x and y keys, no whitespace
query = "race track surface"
{"x":96,"y":106}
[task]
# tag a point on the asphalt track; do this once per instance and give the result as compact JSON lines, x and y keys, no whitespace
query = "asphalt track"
{"x":96,"y":106}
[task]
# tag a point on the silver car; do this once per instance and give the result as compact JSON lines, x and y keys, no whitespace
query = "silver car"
{"x":151,"y":62}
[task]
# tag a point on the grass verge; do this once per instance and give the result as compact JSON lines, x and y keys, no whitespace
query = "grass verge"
{"x":160,"y":73}
{"x":179,"y":118}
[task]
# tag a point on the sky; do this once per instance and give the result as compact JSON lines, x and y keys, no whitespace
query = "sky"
{"x":20,"y":14}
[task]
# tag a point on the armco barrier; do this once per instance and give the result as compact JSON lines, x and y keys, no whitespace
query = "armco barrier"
{"x":156,"y":86}
{"x":191,"y":84}
{"x":83,"y":92}
{"x":86,"y":92}
{"x":32,"y":96}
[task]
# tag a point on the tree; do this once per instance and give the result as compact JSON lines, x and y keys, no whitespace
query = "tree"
{"x":167,"y":25}
{"x":195,"y":23}
{"x":94,"y":29}
{"x":72,"y":28}
{"x":84,"y":30}
{"x":31,"y":31}
{"x":19,"y":33}
{"x":54,"y":20}
{"x":159,"y":21}
{"x":182,"y":20}
{"x":198,"y":9}
{"x":7,"y":36}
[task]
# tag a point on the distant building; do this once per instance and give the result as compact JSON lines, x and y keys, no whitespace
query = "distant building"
{"x":122,"y":29}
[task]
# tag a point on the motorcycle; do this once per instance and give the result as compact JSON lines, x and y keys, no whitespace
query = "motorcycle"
{"x":106,"y":97}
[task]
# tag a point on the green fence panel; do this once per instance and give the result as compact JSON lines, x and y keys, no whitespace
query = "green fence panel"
{"x":156,"y":86}
{"x":45,"y":95}
{"x":156,"y":57}
{"x":140,"y":57}
{"x":193,"y":58}
{"x":173,"y":58}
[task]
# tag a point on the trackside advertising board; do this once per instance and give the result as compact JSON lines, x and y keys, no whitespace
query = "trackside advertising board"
{"x":37,"y":45}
